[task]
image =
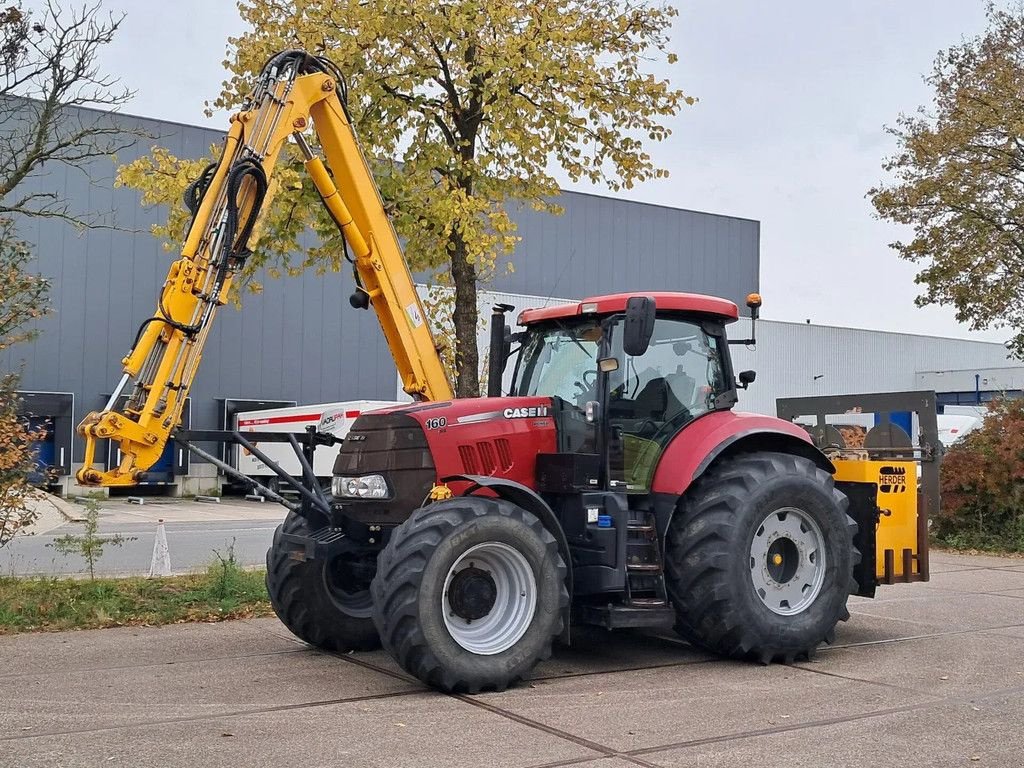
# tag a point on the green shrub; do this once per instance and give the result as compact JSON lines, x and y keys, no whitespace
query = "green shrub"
{"x":982,"y":481}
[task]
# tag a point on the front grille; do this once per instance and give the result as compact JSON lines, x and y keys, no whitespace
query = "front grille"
{"x":393,"y":445}
{"x":469,"y":463}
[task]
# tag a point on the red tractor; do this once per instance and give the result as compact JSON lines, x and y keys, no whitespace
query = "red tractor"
{"x":614,"y":486}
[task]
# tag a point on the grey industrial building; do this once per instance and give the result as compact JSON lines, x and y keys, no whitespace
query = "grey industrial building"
{"x":300,"y":341}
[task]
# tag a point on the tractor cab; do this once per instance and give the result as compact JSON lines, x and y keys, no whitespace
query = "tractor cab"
{"x":630,"y":372}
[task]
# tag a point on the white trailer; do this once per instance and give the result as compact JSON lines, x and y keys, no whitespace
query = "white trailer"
{"x":333,"y":418}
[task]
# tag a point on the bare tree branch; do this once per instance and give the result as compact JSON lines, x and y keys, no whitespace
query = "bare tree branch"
{"x":50,"y":83}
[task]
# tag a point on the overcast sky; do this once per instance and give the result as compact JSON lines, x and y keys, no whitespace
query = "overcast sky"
{"x":789,"y":129}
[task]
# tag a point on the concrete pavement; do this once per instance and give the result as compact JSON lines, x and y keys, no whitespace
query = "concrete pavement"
{"x":927,"y":675}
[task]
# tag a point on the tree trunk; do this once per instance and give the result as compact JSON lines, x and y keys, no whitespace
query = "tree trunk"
{"x":464,"y":317}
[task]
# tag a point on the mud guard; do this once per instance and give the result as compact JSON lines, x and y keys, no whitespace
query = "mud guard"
{"x":718,"y":434}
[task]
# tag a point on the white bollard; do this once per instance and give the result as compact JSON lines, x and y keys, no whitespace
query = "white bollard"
{"x":161,"y":564}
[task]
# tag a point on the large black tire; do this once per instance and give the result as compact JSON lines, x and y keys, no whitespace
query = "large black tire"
{"x":309,"y":597}
{"x":413,"y":606}
{"x":710,"y":563}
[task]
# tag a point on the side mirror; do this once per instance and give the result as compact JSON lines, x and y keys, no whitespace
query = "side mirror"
{"x":639,"y":325}
{"x":747,"y":378}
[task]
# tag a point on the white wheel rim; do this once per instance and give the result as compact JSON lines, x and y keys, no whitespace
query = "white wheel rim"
{"x":787,"y":561}
{"x":515,"y":599}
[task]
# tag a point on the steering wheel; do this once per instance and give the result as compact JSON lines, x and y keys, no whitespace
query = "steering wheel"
{"x":586,"y":386}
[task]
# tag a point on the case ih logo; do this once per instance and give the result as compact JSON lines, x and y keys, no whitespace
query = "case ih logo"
{"x":526,"y":413}
{"x":892,"y":480}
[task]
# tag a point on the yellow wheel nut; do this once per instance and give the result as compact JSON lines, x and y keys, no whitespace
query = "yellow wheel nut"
{"x":776,"y":559}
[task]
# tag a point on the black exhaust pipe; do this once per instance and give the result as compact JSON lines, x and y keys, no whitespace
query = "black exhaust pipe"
{"x":501,"y":343}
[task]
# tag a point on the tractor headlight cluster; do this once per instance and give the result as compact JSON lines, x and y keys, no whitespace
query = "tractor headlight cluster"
{"x":362,"y":487}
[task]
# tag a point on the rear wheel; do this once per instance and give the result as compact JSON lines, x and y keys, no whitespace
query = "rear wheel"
{"x":760,"y":556}
{"x":324,"y":602}
{"x":470,"y":593}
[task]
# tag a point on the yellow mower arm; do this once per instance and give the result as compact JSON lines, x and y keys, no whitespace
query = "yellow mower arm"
{"x":295,"y":90}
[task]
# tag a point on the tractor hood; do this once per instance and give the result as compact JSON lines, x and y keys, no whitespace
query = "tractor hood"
{"x":417,"y":445}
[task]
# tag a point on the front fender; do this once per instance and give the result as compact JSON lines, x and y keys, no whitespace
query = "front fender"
{"x":697,"y":446}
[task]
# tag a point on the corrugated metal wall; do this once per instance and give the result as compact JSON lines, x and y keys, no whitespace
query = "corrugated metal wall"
{"x":796,"y":360}
{"x":603,"y":245}
{"x":300,"y":340}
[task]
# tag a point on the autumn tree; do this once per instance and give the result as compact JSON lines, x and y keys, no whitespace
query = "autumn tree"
{"x":22,"y":300}
{"x":465,"y":109}
{"x":982,"y":493}
{"x":48,"y":72}
{"x":957,"y":179}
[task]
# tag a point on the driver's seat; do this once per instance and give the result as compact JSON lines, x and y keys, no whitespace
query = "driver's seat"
{"x":656,"y":401}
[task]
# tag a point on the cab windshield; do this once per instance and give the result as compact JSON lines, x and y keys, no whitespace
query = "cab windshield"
{"x":560,"y":361}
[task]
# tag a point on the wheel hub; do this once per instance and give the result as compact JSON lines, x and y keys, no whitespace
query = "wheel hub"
{"x":787,"y":561}
{"x":472,"y":593}
{"x":489,"y":598}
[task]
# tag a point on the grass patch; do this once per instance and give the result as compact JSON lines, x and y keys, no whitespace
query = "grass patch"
{"x":224,"y":591}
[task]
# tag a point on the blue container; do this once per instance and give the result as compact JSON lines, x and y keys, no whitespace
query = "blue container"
{"x":604,"y":521}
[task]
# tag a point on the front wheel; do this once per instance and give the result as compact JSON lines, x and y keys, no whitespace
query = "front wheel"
{"x":324,"y":602}
{"x":469,"y":594}
{"x":760,"y":556}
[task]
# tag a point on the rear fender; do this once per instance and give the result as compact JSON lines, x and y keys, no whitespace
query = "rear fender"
{"x":530,"y":500}
{"x":714,"y":437}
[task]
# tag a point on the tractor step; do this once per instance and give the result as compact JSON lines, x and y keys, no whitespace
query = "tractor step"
{"x":634,"y":528}
{"x":643,"y":567}
{"x":321,"y":543}
{"x":646,"y":602}
{"x":628,"y":617}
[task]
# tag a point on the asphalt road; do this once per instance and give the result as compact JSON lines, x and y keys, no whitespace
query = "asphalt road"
{"x":926,"y":675}
{"x":192,"y":545}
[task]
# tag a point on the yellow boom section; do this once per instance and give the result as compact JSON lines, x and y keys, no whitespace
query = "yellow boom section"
{"x":294,"y":91}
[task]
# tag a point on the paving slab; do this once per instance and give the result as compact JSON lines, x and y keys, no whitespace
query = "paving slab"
{"x":862,"y":629}
{"x":961,"y":664}
{"x":979,"y":581}
{"x":629,"y":710}
{"x":964,"y":560}
{"x":987,"y":733}
{"x":962,"y":612}
{"x":423,"y":730}
{"x":593,"y":651}
{"x":62,"y":652}
{"x":900,"y":592}
{"x":89,"y":698}
{"x":596,"y":651}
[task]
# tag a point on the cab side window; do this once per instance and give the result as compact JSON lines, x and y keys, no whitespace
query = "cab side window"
{"x":676,"y":380}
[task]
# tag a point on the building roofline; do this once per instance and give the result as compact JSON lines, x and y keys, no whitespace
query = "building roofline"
{"x":614,"y":199}
{"x":881,"y":330}
{"x":974,"y":370}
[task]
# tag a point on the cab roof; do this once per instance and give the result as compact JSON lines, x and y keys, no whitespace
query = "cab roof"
{"x":616,"y":302}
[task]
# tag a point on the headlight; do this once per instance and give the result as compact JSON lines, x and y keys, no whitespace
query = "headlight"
{"x":364,"y":487}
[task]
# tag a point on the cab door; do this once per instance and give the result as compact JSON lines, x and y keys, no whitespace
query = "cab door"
{"x":652,"y":396}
